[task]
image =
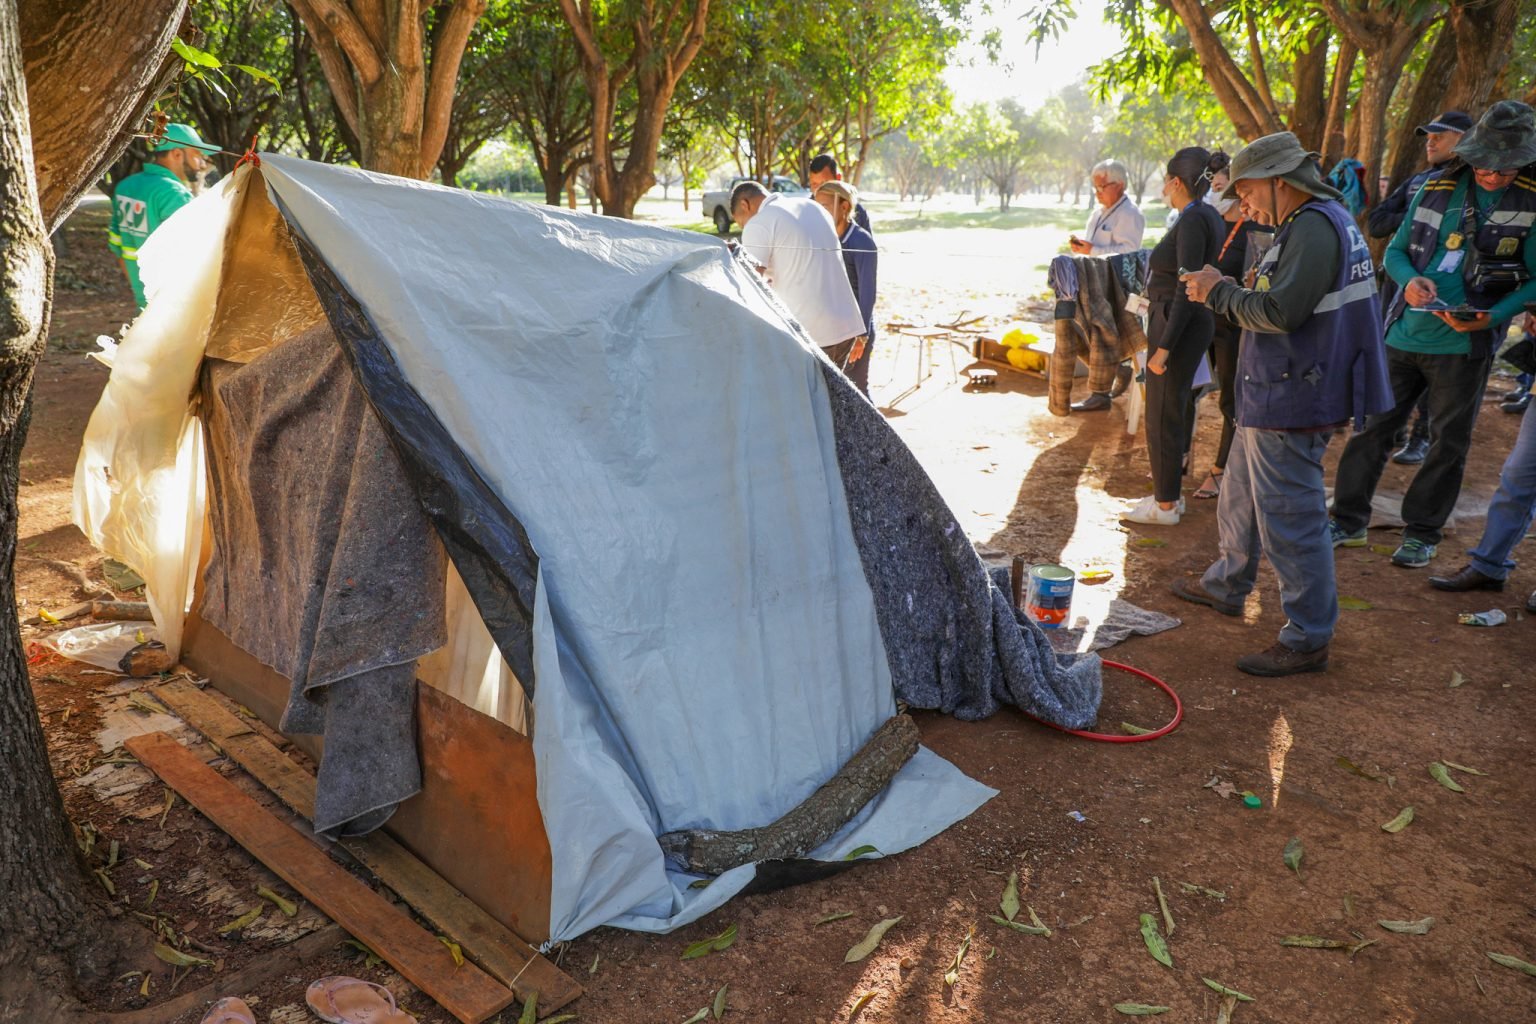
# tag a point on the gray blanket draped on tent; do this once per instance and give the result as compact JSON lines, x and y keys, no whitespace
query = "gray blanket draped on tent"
{"x":954,"y":640}
{"x":323,"y":566}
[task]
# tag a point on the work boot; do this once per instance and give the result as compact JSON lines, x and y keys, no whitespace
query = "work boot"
{"x":1096,"y":402}
{"x":1194,"y":591}
{"x":1412,"y":453}
{"x":1466,"y":578}
{"x":1280,"y":660}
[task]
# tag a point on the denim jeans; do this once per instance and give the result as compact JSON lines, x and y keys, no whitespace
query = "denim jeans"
{"x":1273,"y":504}
{"x":1509,"y":515}
{"x":1454,"y":386}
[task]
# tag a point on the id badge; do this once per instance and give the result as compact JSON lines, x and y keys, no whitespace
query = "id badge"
{"x":1451,"y":263}
{"x":1137,"y":304}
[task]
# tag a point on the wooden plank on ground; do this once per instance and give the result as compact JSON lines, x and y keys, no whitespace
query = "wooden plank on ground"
{"x":486,"y":941}
{"x":466,"y":992}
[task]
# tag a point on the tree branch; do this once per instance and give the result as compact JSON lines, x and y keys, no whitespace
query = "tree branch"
{"x":1256,"y":56}
{"x":578,"y":18}
{"x":346,"y":32}
{"x":1348,"y":25}
{"x":334,"y":65}
{"x":448,"y":47}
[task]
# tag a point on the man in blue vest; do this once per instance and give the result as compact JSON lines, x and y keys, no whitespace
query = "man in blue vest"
{"x":1467,"y":267}
{"x":1310,"y":361}
{"x":142,"y":202}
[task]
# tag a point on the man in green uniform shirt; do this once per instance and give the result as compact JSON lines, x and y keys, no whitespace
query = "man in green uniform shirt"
{"x":142,"y":202}
{"x":1466,"y":262}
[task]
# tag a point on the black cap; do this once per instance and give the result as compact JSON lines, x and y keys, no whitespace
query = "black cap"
{"x":1450,"y":121}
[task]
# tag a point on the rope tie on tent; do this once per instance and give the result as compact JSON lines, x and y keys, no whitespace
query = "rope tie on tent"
{"x":1178,"y":713}
{"x":250,"y":156}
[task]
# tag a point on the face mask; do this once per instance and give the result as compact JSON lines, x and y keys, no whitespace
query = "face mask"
{"x":1221,"y":205}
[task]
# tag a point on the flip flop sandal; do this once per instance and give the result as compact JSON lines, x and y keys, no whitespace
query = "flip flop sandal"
{"x":229,"y":1010}
{"x":1212,"y":486}
{"x":343,"y":1000}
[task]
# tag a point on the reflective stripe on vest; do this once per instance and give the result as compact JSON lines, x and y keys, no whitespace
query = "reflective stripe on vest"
{"x":1356,"y":292}
{"x":1432,"y":218}
{"x":129,"y":254}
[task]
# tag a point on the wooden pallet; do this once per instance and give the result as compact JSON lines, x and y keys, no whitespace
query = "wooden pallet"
{"x":485,"y":940}
{"x":466,"y":992}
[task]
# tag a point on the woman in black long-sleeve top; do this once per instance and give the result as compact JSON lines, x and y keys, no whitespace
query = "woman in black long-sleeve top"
{"x":1179,"y":331}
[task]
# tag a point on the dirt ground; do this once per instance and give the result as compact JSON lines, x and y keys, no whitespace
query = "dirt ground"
{"x":1085,"y":825}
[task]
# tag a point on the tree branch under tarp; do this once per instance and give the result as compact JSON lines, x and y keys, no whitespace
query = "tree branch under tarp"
{"x":813,"y":822}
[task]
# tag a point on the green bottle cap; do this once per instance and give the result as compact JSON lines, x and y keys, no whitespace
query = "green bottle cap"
{"x":1252,"y":801}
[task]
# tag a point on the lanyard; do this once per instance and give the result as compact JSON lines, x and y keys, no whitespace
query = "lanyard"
{"x":1104,"y":220}
{"x":1231,"y":236}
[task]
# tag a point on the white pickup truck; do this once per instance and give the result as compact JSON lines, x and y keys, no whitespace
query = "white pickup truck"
{"x":717,"y":205}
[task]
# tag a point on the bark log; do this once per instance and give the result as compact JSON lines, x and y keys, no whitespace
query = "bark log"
{"x":814,"y":821}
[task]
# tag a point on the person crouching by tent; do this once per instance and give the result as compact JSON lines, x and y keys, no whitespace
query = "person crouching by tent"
{"x":1311,"y":359}
{"x":794,"y":242}
{"x":860,"y":260}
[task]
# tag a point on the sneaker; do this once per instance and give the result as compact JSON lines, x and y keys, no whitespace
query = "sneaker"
{"x":1148,"y":511}
{"x":1280,"y":660}
{"x":1412,"y":453}
{"x":1342,"y":538}
{"x":1413,"y":554}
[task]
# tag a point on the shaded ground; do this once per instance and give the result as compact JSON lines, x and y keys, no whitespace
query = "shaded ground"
{"x":1024,"y":483}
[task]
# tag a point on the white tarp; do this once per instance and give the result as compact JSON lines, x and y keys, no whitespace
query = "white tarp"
{"x":706,"y":647}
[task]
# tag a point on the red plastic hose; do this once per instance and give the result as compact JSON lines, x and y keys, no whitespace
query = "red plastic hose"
{"x":1178,"y":713}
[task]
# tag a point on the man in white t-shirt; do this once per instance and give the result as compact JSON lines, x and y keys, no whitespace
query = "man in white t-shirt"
{"x":794,"y":240}
{"x":1116,"y":224}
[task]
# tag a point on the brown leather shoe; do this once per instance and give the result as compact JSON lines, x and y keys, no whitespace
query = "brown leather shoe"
{"x":1195,"y":592}
{"x":1466,"y":578}
{"x":1280,"y":660}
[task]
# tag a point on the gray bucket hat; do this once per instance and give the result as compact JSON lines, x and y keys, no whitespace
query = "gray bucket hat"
{"x":1282,"y":156}
{"x":1503,"y":138}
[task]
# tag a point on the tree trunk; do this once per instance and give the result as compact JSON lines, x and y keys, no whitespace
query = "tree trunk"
{"x":1405,"y":153}
{"x":43,"y":894}
{"x":376,"y":62}
{"x":1338,"y":98}
{"x":1309,"y":111}
{"x":1485,"y":40}
{"x":1382,"y":71}
{"x":1239,"y":97}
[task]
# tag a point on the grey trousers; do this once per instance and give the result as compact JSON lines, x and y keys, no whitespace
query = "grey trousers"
{"x":1273,"y":504}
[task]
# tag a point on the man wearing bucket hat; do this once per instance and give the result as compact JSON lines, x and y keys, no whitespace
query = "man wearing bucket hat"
{"x":1467,"y":266}
{"x":142,"y":202}
{"x":1310,"y":361}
